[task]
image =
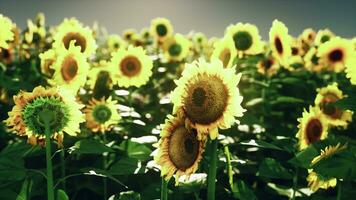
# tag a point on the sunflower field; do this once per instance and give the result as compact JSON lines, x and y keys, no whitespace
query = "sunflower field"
{"x":155,"y":114}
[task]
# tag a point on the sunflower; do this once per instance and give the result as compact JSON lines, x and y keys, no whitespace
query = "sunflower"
{"x":101,"y":115}
{"x":47,"y":60}
{"x":129,"y":34}
{"x":7,"y":55}
{"x":323,"y":36}
{"x":180,"y":150}
{"x":176,"y":48}
{"x":24,"y":120}
{"x":312,"y":127}
{"x":280,"y":42}
{"x":6,"y":33}
{"x":297,"y":48}
{"x":225,"y":51}
{"x":311,"y":60}
{"x":335,"y":116}
{"x":246,"y":38}
{"x":207,"y":96}
{"x":161,"y":29}
{"x":316,"y":181}
{"x":335,"y":53}
{"x":268,"y":66}
{"x":71,"y":68}
{"x":115,"y":42}
{"x":34,"y":33}
{"x":131,"y":67}
{"x":351,"y":69}
{"x":72,"y":30}
{"x":308,"y":36}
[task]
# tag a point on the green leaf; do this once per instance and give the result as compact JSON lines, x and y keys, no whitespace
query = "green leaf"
{"x":340,"y":165}
{"x":61,"y":195}
{"x":126,"y":166}
{"x":12,"y":168}
{"x":304,"y":158}
{"x":90,"y":146}
{"x":272,"y":169}
{"x":347,"y":103}
{"x":242,"y":191}
{"x":261,"y":144}
{"x":25,"y":189}
{"x":287,"y":99}
{"x":128,"y":195}
{"x":136,"y":150}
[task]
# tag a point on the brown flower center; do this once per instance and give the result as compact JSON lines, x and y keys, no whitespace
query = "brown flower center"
{"x":267,"y":64}
{"x":313,"y":130}
{"x":77,"y":37}
{"x":329,"y":109}
{"x":206,"y":100}
{"x":278,"y":45}
{"x":225,"y":57}
{"x":130,"y":66}
{"x":336,"y":55}
{"x":183,"y":148}
{"x":69,"y":68}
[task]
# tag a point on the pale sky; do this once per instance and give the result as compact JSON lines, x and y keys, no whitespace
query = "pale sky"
{"x":207,"y":16}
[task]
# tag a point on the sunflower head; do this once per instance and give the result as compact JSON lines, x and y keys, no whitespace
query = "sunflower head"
{"x":32,"y":109}
{"x":351,"y":69}
{"x":7,"y":55}
{"x":280,"y":42}
{"x":131,"y":67}
{"x":335,"y":53}
{"x":311,"y":60}
{"x":73,"y":31}
{"x":323,"y":36}
{"x":308,"y":36}
{"x":324,"y":99}
{"x":176,"y":48}
{"x":47,"y":60}
{"x":268,"y":66}
{"x":161,"y":29}
{"x":6,"y":33}
{"x":207,"y":96}
{"x":225,"y":51}
{"x":70,"y":68}
{"x":180,"y":150}
{"x":246,"y":38}
{"x":115,"y":42}
{"x":101,"y":115}
{"x":312,"y":127}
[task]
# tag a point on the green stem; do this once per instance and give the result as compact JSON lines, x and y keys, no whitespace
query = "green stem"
{"x":105,"y":180}
{"x":212,"y":169}
{"x":63,"y":169}
{"x":164,"y":189}
{"x":229,"y":166}
{"x":50,"y":192}
{"x":339,"y":191}
{"x":295,"y":183}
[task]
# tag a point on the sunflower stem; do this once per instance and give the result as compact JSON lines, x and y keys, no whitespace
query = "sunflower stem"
{"x":229,"y":166}
{"x":46,"y":117}
{"x":295,"y":183}
{"x":63,"y":169}
{"x":339,"y":191}
{"x":164,"y":189}
{"x":105,"y":180}
{"x":212,"y":169}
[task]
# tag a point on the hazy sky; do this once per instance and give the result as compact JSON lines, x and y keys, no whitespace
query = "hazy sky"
{"x":208,"y":16}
